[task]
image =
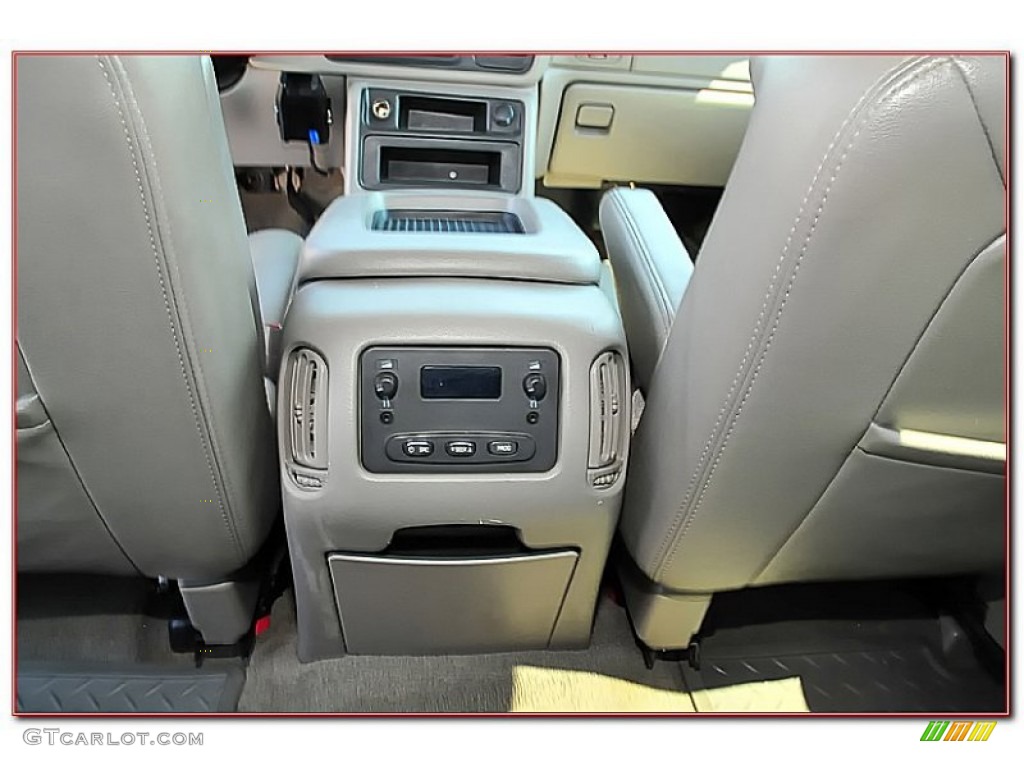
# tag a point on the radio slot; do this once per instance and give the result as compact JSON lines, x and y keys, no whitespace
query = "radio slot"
{"x":430,"y":113}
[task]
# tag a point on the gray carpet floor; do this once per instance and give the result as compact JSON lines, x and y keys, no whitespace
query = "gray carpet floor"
{"x":277,"y":682}
{"x":91,"y":620}
{"x":103,"y":621}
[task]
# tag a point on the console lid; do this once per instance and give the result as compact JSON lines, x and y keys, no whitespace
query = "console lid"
{"x":426,"y":234}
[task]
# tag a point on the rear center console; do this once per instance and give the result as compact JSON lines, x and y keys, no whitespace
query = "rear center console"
{"x":453,"y":401}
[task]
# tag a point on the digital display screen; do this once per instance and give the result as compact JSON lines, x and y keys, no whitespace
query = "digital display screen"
{"x":460,"y":382}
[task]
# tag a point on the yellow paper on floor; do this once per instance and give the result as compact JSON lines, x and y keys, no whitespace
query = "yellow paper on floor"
{"x":786,"y":695}
{"x":539,"y":689}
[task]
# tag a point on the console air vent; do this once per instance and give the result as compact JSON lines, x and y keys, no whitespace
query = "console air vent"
{"x":307,"y":414}
{"x":609,"y":419}
{"x":491,"y":222}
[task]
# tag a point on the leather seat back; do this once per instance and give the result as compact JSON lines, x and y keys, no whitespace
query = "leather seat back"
{"x":849,"y":297}
{"x":152,"y":449}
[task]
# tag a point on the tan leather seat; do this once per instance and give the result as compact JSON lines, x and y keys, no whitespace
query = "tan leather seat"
{"x":825,"y":394}
{"x":145,"y":444}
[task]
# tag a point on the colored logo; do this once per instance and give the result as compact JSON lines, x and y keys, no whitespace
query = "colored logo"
{"x":958,"y":730}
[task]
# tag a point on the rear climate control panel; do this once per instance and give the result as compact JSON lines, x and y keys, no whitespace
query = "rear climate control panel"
{"x":458,"y":409}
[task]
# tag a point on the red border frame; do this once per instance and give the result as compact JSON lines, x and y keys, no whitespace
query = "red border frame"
{"x":1008,"y":422}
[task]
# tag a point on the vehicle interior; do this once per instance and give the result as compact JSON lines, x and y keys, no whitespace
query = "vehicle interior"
{"x":492,"y":382}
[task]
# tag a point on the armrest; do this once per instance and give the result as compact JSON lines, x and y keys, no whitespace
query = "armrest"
{"x":652,"y":270}
{"x":550,"y":248}
{"x":275,"y":260}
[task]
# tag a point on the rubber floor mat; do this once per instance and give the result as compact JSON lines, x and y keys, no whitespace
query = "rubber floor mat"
{"x":856,"y":650}
{"x":81,"y":688}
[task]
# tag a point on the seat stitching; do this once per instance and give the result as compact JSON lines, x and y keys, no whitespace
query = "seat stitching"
{"x":224,"y":502}
{"x":683,"y":517}
{"x":661,"y":294}
{"x":670,"y":534}
{"x":150,"y":220}
{"x":907,"y":77}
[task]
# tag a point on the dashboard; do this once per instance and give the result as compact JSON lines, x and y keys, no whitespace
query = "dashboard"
{"x":580,"y":120}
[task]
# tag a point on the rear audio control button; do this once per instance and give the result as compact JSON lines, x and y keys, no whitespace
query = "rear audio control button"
{"x":417,"y":448}
{"x":503,"y":447}
{"x":460,"y":448}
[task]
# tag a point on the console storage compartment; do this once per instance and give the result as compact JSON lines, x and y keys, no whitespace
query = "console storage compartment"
{"x":449,"y":604}
{"x":415,"y":162}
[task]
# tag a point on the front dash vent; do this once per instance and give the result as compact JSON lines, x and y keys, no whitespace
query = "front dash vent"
{"x":307,"y":397}
{"x":469,"y":222}
{"x":609,"y":419}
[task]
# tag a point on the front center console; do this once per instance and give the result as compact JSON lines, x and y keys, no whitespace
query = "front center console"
{"x":440,"y":136}
{"x":414,"y":139}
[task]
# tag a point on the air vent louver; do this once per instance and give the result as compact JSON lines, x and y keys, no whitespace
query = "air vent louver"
{"x":475,"y":222}
{"x":307,"y":415}
{"x":609,"y":417}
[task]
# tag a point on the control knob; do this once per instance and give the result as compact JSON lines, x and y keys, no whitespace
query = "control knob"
{"x":381,"y":109}
{"x":504,"y":115}
{"x":535,"y":386}
{"x":385,"y":385}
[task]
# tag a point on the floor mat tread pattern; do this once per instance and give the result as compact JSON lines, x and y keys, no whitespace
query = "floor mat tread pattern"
{"x":133,"y":689}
